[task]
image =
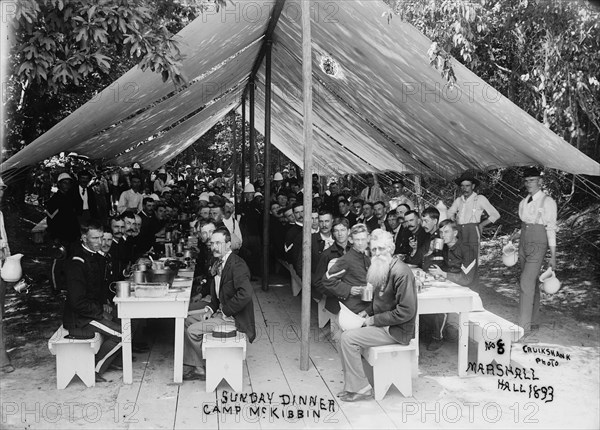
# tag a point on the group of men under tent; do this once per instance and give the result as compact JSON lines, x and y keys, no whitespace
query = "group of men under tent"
{"x":339,"y":248}
{"x":348,"y":256}
{"x":339,"y":244}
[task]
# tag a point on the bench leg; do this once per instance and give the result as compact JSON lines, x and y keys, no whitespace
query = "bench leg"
{"x":322,"y":313}
{"x":486,"y":357}
{"x":71,"y":362}
{"x":393,"y":369}
{"x":226,"y":363}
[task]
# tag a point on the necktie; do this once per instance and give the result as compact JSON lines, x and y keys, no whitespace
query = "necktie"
{"x":216,"y":268}
{"x":530,"y":199}
{"x":369,"y":194}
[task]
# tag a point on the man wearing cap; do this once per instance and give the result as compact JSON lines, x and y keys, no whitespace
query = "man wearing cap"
{"x":467,"y":211}
{"x":5,"y":364}
{"x":84,"y":308}
{"x":277,"y":185}
{"x":538,"y":233}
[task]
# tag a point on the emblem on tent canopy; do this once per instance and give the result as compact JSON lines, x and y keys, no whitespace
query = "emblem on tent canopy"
{"x":331,"y":67}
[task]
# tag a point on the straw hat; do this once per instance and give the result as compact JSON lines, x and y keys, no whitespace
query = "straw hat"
{"x":278,"y":177}
{"x":467,"y":177}
{"x":64,"y":176}
{"x":249,"y":188}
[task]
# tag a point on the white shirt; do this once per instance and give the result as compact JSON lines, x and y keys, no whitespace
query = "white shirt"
{"x":84,"y":197}
{"x":328,"y":241}
{"x":541,"y":210}
{"x":3,"y":238}
{"x":469,"y":210}
{"x":130,"y":200}
{"x":233,"y":226}
{"x":218,"y":277}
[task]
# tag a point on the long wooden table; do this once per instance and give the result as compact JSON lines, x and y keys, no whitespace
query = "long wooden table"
{"x":174,"y":305}
{"x":448,"y":297}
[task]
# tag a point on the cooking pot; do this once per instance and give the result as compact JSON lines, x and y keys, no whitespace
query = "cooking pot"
{"x":163,"y":275}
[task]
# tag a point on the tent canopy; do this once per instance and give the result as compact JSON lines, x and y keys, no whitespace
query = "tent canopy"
{"x":378,"y":104}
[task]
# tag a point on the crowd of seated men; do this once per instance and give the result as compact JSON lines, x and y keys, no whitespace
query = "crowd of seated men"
{"x":146,"y":209}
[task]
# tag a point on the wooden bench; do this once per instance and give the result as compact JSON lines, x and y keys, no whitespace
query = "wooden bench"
{"x":74,"y":357}
{"x":493,"y":335}
{"x":392,"y":364}
{"x":323,"y":314}
{"x":224,"y":360}
{"x":296,"y":281}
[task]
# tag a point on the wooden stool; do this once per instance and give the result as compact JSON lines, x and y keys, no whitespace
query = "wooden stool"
{"x":224,"y":360}
{"x":392,"y":364}
{"x":74,"y":357}
{"x":494,"y":336}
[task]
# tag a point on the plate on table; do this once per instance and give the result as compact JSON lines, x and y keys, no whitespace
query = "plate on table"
{"x":413,"y":266}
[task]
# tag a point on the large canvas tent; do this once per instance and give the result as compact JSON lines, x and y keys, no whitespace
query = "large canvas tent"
{"x":378,"y":104}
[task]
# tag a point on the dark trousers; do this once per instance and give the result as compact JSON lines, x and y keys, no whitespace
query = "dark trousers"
{"x":432,"y":325}
{"x":532,"y":251}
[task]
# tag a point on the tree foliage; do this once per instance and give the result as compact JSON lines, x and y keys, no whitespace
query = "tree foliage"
{"x":65,"y":51}
{"x":544,"y":55}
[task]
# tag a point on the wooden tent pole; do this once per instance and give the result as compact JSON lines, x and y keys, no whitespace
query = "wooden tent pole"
{"x":267,"y":168}
{"x":243,"y":173}
{"x":234,"y":156}
{"x":308,"y":168}
{"x":251,"y":159}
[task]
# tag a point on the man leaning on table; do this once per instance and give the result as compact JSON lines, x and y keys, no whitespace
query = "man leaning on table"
{"x":231,"y":303}
{"x":390,"y":317}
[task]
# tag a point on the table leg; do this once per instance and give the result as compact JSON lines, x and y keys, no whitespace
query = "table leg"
{"x":178,"y":360}
{"x":463,"y":342}
{"x":415,"y":365}
{"x":126,"y":347}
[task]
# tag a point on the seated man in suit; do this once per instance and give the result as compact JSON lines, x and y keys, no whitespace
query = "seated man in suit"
{"x":231,"y":303}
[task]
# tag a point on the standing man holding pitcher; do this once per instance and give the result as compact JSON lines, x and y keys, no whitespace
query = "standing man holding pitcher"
{"x":537,"y":212}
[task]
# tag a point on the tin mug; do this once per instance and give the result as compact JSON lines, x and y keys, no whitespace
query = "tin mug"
{"x":122,"y":288}
{"x":139,"y":277}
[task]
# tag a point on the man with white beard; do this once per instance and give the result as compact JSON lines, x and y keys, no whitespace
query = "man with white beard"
{"x":389,"y":319}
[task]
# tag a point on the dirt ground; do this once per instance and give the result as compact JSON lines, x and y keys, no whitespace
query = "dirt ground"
{"x":570,"y":326}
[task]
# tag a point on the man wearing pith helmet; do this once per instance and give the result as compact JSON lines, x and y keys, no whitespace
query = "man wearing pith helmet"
{"x":537,"y":212}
